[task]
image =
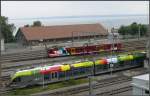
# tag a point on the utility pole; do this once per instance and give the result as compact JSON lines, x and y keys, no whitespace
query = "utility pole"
{"x":0,"y":57}
{"x":72,"y":39}
{"x":139,"y":33}
{"x":112,"y":51}
{"x":148,"y":48}
{"x":41,"y":40}
{"x":91,"y":76}
{"x":149,"y":53}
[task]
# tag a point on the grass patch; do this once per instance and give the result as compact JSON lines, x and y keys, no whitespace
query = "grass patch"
{"x":37,"y":89}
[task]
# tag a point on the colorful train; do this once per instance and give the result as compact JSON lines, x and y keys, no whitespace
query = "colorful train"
{"x":88,"y":49}
{"x":56,"y":73}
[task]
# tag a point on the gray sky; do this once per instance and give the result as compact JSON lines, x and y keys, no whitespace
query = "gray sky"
{"x":34,"y":9}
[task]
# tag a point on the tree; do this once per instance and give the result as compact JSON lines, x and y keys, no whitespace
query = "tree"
{"x":143,"y":29}
{"x":27,"y":25}
{"x":124,"y":30}
{"x":37,"y":23}
{"x":7,"y":29}
{"x":133,"y":29}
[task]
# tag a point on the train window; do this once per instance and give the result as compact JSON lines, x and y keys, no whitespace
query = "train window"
{"x":76,"y":72}
{"x":47,"y":76}
{"x":82,"y":70}
{"x":68,"y":73}
{"x":52,"y":75}
{"x":64,"y":51}
{"x":87,"y":70}
{"x":61,"y":74}
{"x":55,"y":74}
{"x":146,"y":91}
{"x":17,"y":79}
{"x":105,"y":66}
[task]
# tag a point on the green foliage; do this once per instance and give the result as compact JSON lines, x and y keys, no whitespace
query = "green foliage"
{"x":37,"y":23}
{"x":144,"y":29}
{"x":7,"y":29}
{"x":27,"y":25}
{"x":133,"y":29}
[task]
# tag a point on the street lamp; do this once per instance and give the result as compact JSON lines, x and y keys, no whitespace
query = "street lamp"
{"x":139,"y":33}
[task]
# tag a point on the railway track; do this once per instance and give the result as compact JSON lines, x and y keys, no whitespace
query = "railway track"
{"x":100,"y":84}
{"x":115,"y":92}
{"x":31,"y":55}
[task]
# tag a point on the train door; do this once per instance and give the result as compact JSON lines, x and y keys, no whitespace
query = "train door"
{"x":54,"y":76}
{"x":37,"y":77}
{"x":97,"y":49}
{"x":47,"y":77}
{"x":100,"y":48}
{"x":73,"y":51}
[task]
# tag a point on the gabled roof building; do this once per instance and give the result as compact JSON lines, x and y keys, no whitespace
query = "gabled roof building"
{"x":33,"y":35}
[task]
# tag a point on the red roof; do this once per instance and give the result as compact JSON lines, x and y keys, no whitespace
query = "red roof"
{"x":61,"y":31}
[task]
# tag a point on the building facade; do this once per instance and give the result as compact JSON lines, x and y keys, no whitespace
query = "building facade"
{"x":59,"y":33}
{"x":141,"y":85}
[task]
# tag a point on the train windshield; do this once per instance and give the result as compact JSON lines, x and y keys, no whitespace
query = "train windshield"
{"x":17,"y":79}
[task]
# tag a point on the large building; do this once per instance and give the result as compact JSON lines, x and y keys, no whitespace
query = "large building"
{"x":52,"y":34}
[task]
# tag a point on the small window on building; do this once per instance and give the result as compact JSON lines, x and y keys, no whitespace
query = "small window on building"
{"x":146,"y":91}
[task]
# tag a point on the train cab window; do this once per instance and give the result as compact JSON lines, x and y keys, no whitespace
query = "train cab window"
{"x":17,"y":79}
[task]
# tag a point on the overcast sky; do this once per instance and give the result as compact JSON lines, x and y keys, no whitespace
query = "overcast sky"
{"x":35,"y":9}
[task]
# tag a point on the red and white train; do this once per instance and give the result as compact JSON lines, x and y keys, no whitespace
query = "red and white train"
{"x":81,"y":50}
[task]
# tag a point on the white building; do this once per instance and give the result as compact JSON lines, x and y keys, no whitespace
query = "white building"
{"x":141,"y":85}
